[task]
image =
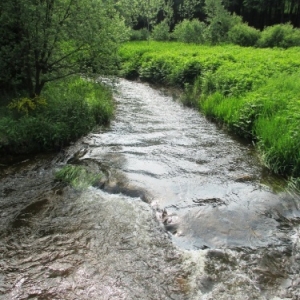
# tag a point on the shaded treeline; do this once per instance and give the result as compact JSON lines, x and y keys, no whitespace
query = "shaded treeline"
{"x":262,"y":13}
{"x":257,"y":13}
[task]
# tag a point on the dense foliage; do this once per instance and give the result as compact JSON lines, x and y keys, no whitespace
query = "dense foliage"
{"x":244,"y":35}
{"x":255,"y":92}
{"x":218,"y":26}
{"x":262,"y":13}
{"x":190,"y":31}
{"x":257,"y":13}
{"x":64,"y":111}
{"x":42,"y":45}
{"x":47,"y":40}
{"x":280,"y":35}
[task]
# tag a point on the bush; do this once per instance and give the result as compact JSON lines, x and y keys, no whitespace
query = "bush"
{"x":243,"y":35}
{"x":281,"y":35}
{"x":74,"y":107}
{"x":139,"y":35}
{"x":220,"y":25}
{"x":24,"y":105}
{"x":189,"y":31}
{"x":160,"y":32}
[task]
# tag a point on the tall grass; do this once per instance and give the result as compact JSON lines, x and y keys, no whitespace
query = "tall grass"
{"x":270,"y":115}
{"x":256,"y":92}
{"x":72,"y":107}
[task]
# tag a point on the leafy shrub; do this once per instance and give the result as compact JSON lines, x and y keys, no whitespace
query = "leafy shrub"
{"x":74,"y":107}
{"x":219,"y":26}
{"x":139,"y":35}
{"x":154,"y":71}
{"x":160,"y":32}
{"x":280,"y":35}
{"x":25,"y":105}
{"x":243,"y":35}
{"x":189,"y":31}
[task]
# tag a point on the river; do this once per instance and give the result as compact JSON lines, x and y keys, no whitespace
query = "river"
{"x":184,"y":211}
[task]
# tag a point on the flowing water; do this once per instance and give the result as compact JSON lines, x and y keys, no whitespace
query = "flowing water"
{"x":184,"y":211}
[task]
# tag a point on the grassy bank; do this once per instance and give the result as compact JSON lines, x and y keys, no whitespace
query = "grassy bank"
{"x":64,"y":111}
{"x":255,"y":92}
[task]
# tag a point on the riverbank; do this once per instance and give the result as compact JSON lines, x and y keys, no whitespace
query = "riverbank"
{"x":65,"y":111}
{"x":254,"y":92}
{"x":233,"y":229}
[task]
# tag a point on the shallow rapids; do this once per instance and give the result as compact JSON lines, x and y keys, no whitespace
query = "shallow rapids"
{"x":184,"y":211}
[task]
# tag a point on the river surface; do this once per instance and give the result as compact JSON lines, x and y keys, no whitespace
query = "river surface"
{"x":183,"y":211}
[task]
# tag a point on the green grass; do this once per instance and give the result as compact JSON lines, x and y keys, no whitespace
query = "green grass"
{"x":256,"y":92}
{"x":270,"y":115}
{"x":77,"y":176}
{"x":235,"y":69}
{"x":73,"y":107}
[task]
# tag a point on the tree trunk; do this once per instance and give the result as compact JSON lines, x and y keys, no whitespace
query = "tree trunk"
{"x":38,"y":88}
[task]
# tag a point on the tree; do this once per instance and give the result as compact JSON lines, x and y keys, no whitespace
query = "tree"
{"x":220,"y":21}
{"x":46,"y":40}
{"x":214,"y":9}
{"x":147,"y":10}
{"x":262,"y":13}
{"x":168,"y":11}
{"x":188,"y":8}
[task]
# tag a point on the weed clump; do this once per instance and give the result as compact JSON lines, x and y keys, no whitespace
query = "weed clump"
{"x":25,"y":105}
{"x":78,"y":177}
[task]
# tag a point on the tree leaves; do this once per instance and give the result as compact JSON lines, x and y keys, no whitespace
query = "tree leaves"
{"x":52,"y":39}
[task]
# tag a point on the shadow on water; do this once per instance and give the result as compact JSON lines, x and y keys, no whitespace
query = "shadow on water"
{"x":24,"y":216}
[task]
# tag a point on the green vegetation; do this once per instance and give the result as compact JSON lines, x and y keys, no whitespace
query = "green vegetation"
{"x":244,"y":35}
{"x":63,"y":112}
{"x":44,"y":41}
{"x":211,"y":22}
{"x":189,"y":31}
{"x":255,"y":92}
{"x":280,"y":35}
{"x":161,"y":32}
{"x":44,"y":45}
{"x":78,"y":177}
